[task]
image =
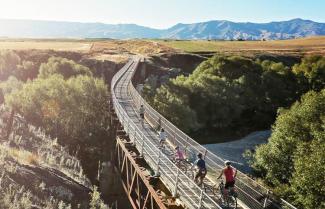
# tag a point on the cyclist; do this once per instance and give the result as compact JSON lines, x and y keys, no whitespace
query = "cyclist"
{"x":201,"y":172}
{"x":179,"y":155}
{"x":230,"y":174}
{"x":162,"y":138}
{"x":141,"y":113}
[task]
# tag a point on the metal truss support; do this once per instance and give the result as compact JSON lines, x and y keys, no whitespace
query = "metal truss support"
{"x":136,"y":184}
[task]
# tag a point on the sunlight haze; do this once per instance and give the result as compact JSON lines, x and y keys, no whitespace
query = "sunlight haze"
{"x":183,"y":104}
{"x":162,"y":14}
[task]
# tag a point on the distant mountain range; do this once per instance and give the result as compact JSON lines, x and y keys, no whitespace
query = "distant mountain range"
{"x":218,"y":29}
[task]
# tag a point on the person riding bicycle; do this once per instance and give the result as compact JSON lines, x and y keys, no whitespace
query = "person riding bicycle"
{"x":230,"y":174}
{"x":141,"y":113}
{"x":162,"y":137}
{"x":179,"y":155}
{"x":202,"y":171}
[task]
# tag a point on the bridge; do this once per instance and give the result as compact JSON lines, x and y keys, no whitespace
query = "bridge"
{"x":140,"y":161}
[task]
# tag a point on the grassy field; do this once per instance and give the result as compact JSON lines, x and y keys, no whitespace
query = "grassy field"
{"x":131,"y":46}
{"x":100,"y":49}
{"x":87,"y":45}
{"x":61,"y":45}
{"x":113,"y":49}
{"x":305,"y":45}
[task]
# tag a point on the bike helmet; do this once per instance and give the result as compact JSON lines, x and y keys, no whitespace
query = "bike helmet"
{"x":227,"y":162}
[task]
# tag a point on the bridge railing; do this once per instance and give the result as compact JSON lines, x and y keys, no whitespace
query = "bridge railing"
{"x":174,"y":178}
{"x":250,"y":192}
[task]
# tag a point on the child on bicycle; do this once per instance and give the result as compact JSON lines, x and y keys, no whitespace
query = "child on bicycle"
{"x":179,"y":155}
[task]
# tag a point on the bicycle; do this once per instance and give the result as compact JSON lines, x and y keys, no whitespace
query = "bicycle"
{"x":228,"y":196}
{"x":200,"y":180}
{"x":142,"y":119}
{"x":162,"y":139}
{"x":182,"y":164}
{"x":162,"y":145}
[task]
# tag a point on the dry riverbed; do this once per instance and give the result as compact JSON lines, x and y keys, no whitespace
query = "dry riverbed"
{"x":234,"y":150}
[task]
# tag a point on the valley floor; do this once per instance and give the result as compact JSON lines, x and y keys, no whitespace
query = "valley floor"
{"x":234,"y":150}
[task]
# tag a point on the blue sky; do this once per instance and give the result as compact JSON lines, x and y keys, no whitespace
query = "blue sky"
{"x":162,"y":13}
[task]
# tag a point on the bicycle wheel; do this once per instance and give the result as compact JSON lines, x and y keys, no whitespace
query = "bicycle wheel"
{"x":231,"y":202}
{"x":192,"y":174}
{"x":215,"y":190}
{"x":182,"y":166}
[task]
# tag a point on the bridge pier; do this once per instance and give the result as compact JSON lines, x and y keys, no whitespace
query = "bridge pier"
{"x":110,"y":185}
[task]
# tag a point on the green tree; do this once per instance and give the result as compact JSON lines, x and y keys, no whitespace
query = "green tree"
{"x":215,"y":101}
{"x":279,"y":85}
{"x":308,"y":182}
{"x":26,"y":70}
{"x":312,"y":70}
{"x":227,"y":93}
{"x":230,"y":68}
{"x":8,"y":64}
{"x":175,"y":108}
{"x":283,"y":159}
{"x":11,"y":85}
{"x":75,"y":109}
{"x":62,"y":66}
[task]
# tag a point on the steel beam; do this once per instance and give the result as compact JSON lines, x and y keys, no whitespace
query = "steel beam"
{"x":140,"y":192}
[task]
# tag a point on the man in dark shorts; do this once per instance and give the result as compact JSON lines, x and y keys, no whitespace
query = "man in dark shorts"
{"x":202,"y":171}
{"x":230,"y":174}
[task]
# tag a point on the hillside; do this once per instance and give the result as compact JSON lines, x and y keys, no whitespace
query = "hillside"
{"x":55,"y":29}
{"x":36,"y":172}
{"x":217,"y":29}
{"x":228,"y":30}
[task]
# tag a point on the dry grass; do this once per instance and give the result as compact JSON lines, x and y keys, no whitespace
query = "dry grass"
{"x":23,"y":156}
{"x":305,"y":45}
{"x":113,"y":50}
{"x":27,"y":160}
{"x":130,"y":47}
{"x":120,"y":50}
{"x":114,"y":58}
{"x":45,"y":45}
{"x":106,"y":46}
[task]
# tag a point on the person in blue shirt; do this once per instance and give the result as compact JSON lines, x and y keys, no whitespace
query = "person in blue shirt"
{"x":201,"y":170}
